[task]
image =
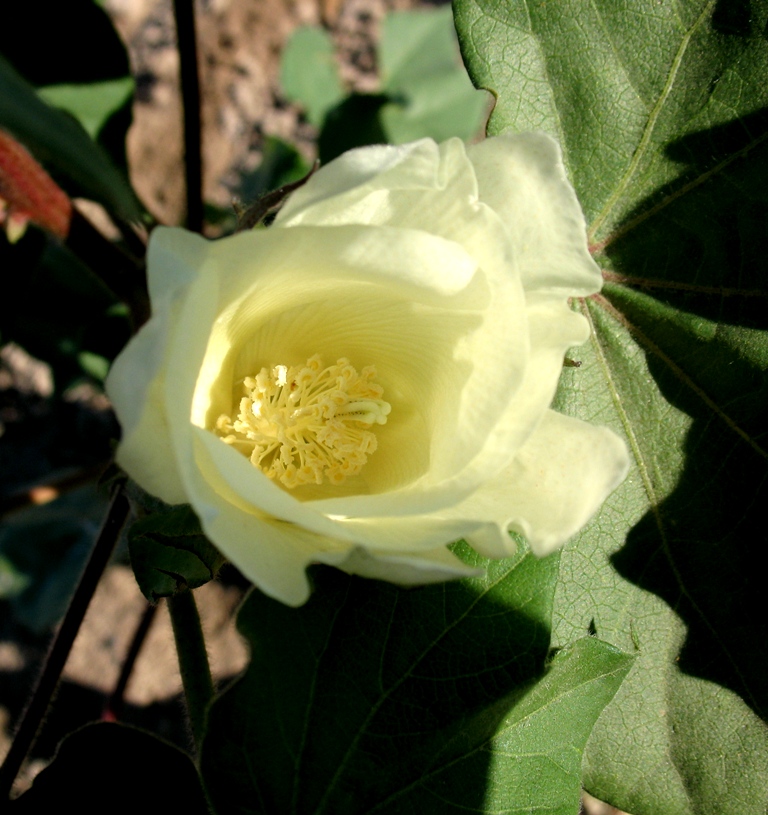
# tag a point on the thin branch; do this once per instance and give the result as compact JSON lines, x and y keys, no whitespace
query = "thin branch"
{"x":248,"y":217}
{"x":122,"y":273}
{"x":184,"y":14}
{"x":62,"y":644}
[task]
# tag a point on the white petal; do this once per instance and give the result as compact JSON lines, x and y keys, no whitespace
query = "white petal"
{"x":557,"y":482}
{"x":174,"y":257}
{"x":523,"y":179}
{"x":232,"y":475}
{"x":341,"y":192}
{"x":553,"y":328}
{"x":135,"y":386}
{"x":136,"y":381}
{"x":272,"y":554}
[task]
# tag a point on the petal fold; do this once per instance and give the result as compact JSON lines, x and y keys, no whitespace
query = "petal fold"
{"x":556,"y":483}
{"x":522,"y":178}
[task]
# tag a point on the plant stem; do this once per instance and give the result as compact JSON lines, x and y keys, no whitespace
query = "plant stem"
{"x":62,"y":644}
{"x":124,"y":274}
{"x":193,"y":660}
{"x":184,"y":14}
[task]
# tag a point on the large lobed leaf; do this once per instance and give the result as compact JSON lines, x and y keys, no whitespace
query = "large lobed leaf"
{"x":371,"y":698}
{"x":662,"y":112}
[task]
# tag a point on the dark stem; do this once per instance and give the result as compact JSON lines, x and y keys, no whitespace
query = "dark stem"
{"x":62,"y":644}
{"x":124,"y":274}
{"x":193,"y":660}
{"x":184,"y":13}
{"x":114,"y":705}
{"x":248,"y":217}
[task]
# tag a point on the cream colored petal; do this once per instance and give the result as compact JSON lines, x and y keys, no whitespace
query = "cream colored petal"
{"x":174,"y":258}
{"x":231,"y":475}
{"x":272,"y":559}
{"x":523,"y":179}
{"x":192,"y":326}
{"x":553,"y":328}
{"x":335,"y":194}
{"x":416,"y":533}
{"x":135,"y":386}
{"x":448,"y":362}
{"x":432,"y":188}
{"x":558,"y":481}
{"x":405,"y":569}
{"x":136,"y":382}
{"x":258,"y":258}
{"x":270,"y":552}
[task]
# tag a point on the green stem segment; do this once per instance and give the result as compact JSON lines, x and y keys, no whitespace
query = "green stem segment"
{"x":193,"y":660}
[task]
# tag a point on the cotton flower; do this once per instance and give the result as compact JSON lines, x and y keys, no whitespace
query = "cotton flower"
{"x":369,"y":379}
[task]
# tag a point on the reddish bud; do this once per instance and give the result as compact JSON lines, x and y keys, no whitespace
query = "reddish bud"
{"x":28,"y":193}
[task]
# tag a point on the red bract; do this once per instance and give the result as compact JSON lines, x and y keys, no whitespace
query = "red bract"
{"x":28,"y":193}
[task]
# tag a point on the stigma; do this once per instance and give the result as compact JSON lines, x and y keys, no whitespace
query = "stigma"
{"x":305,"y":424}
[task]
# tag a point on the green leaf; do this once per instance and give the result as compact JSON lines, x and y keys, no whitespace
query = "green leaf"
{"x":662,"y":114}
{"x":372,"y":698}
{"x":308,"y":72}
{"x":356,"y":122}
{"x":422,"y":72}
{"x":109,"y":767}
{"x":91,"y":104}
{"x":59,"y":141}
{"x":170,"y":552}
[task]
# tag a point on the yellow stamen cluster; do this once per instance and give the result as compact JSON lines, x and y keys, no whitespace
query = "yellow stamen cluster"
{"x":303,"y":424}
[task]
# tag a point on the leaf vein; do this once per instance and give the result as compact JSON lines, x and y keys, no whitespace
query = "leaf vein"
{"x":386,"y":694}
{"x":645,"y":139}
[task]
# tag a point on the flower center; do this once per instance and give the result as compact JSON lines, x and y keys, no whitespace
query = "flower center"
{"x":301,"y":424}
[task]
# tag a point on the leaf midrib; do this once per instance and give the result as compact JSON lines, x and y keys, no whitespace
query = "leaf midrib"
{"x":406,"y":674}
{"x":611,"y":310}
{"x":485,"y":744}
{"x":653,"y":117}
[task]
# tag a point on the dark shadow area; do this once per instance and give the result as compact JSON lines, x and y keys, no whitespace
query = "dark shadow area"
{"x":354,"y":122}
{"x":705,"y":231}
{"x":733,"y":17}
{"x":369,"y":693}
{"x":91,"y":48}
{"x":58,"y":310}
{"x":708,"y":564}
{"x":110,"y":767}
{"x":90,"y":52}
{"x":701,"y":551}
{"x":76,"y":705}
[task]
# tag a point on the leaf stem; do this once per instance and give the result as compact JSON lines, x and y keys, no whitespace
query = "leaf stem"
{"x":40,"y":700}
{"x":184,"y":15}
{"x":193,"y":660}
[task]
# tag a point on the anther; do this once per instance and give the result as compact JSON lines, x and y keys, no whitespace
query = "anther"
{"x":303,"y":424}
